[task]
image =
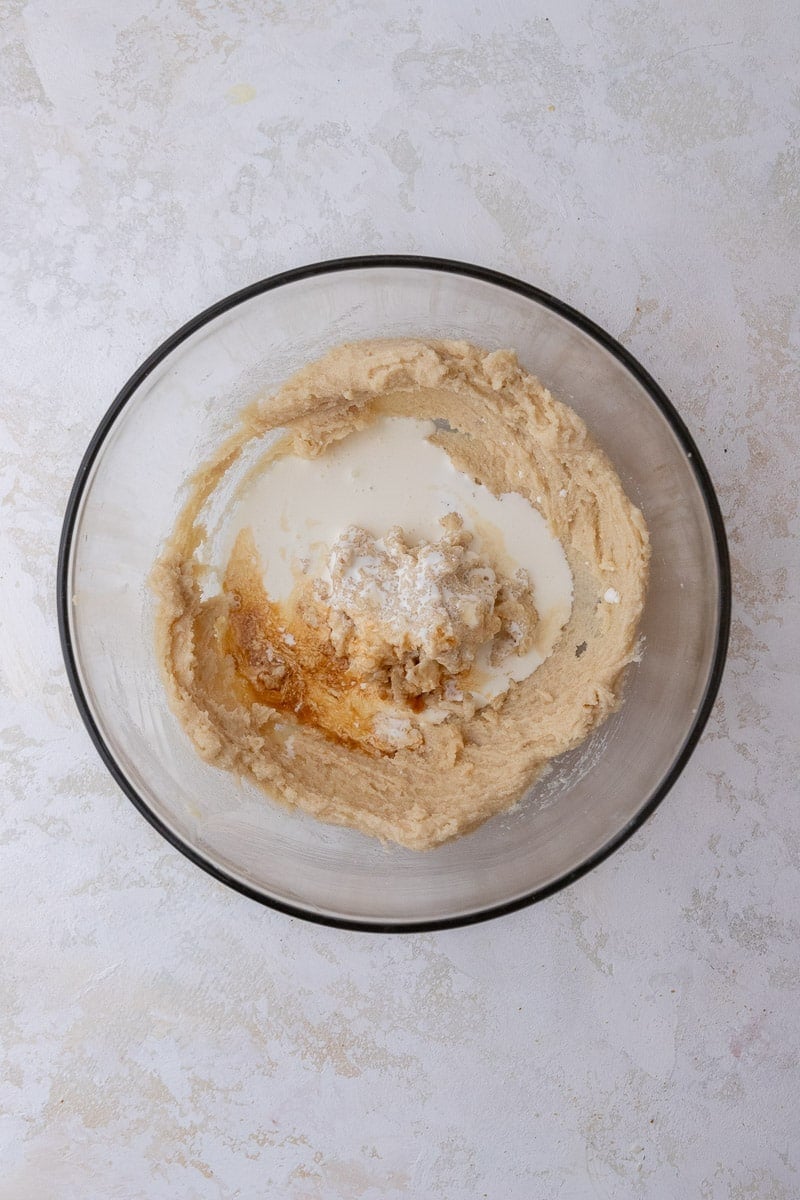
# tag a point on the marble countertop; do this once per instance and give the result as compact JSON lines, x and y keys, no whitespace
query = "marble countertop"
{"x":636,"y":1035}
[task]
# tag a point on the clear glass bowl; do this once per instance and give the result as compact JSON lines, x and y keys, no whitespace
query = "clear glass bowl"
{"x":174,"y":412}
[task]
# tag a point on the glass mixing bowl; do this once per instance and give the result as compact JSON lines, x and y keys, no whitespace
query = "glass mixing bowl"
{"x":175,"y":411}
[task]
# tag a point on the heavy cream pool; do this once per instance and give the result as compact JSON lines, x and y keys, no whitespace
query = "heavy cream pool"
{"x":390,"y":474}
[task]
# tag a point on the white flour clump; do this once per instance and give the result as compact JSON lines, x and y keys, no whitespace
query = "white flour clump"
{"x":419,"y":614}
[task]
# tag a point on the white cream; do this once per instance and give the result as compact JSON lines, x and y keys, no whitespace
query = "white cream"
{"x":387,"y":475}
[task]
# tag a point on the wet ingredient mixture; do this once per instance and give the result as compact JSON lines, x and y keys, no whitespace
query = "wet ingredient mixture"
{"x":404,"y":585}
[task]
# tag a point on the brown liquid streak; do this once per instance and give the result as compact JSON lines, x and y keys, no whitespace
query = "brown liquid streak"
{"x":315,"y":687}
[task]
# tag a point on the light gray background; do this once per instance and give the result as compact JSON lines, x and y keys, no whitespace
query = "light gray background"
{"x":637,"y":1036}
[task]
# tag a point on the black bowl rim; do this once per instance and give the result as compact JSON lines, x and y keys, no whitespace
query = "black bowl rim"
{"x":485,"y":274}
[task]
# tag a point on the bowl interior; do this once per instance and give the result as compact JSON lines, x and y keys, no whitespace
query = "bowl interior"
{"x":176,"y":416}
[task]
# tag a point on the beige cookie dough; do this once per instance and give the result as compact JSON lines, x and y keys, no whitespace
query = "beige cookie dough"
{"x":357,"y":710}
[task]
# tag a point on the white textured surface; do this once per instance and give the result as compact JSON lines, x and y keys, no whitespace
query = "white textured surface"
{"x":636,"y":1036}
